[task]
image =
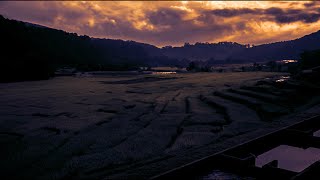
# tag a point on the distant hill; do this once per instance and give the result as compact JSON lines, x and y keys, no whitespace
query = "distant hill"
{"x":30,"y":51}
{"x":204,"y":51}
{"x":234,"y":52}
{"x":279,"y":50}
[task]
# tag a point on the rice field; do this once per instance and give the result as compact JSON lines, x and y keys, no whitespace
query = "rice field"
{"x":119,"y":125}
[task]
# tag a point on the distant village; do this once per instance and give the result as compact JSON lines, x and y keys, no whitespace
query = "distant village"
{"x":271,"y":66}
{"x":199,"y":66}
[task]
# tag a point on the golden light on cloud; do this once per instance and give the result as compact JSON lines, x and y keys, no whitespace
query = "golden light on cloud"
{"x":143,"y":25}
{"x":174,"y":22}
{"x":91,"y":22}
{"x":236,"y":4}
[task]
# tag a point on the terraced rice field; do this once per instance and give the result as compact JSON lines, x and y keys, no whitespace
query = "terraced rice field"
{"x":135,"y":126}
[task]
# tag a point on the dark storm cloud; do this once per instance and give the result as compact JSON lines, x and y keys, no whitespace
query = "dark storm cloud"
{"x":232,"y":12}
{"x":292,"y":15}
{"x":312,"y":4}
{"x":165,"y":16}
{"x":276,"y":14}
{"x":271,"y":11}
{"x":304,"y":17}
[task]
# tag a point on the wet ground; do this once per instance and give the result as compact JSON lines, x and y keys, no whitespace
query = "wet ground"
{"x":135,"y":126}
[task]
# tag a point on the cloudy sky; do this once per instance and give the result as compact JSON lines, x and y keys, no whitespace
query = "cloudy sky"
{"x":174,"y":22}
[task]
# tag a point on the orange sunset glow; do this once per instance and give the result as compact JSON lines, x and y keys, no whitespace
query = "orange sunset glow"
{"x":174,"y":22}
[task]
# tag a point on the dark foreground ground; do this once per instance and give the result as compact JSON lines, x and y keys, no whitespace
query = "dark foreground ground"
{"x":124,"y":126}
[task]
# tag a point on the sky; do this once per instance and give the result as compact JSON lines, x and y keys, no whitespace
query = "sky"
{"x":173,"y":23}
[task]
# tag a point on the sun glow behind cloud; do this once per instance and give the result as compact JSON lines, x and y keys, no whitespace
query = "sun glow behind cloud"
{"x":174,"y":22}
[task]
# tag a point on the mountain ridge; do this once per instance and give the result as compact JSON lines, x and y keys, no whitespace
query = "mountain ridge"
{"x":111,"y":51}
{"x":193,"y":52}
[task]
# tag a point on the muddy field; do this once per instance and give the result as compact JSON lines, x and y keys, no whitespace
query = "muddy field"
{"x":136,"y":126}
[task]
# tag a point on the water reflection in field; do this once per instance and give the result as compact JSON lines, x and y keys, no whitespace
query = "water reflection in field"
{"x":163,"y":73}
{"x":218,"y":174}
{"x":317,"y":133}
{"x":283,"y":79}
{"x":289,"y":157}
